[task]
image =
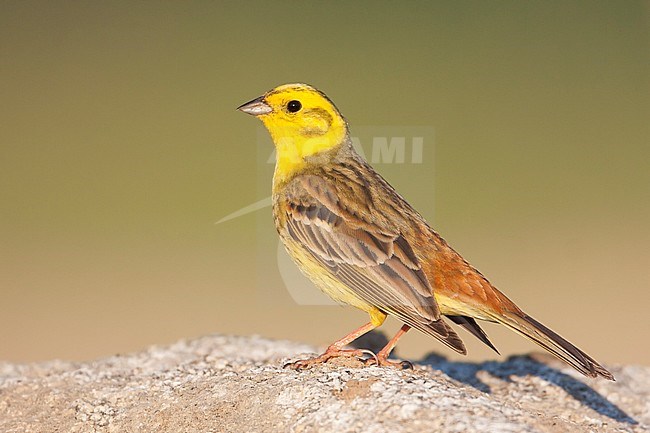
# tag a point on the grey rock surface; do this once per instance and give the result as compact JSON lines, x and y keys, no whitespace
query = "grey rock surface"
{"x":237,"y":384}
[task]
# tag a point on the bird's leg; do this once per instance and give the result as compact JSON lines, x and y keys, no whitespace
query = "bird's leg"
{"x":335,"y":350}
{"x":382,"y":357}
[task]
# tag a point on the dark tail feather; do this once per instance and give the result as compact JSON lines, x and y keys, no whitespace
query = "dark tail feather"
{"x":558,"y":346}
{"x":440,"y":330}
{"x":470,"y":325}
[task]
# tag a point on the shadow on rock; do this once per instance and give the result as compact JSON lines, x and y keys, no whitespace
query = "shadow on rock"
{"x":466,"y":372}
{"x":374,"y":341}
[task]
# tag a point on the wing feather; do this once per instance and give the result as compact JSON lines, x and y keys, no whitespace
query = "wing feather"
{"x":376,"y":263}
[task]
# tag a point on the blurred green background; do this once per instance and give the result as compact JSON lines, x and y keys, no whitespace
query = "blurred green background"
{"x":120,"y":148}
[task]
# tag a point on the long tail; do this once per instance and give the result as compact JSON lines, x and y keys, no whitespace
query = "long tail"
{"x":549,"y":340}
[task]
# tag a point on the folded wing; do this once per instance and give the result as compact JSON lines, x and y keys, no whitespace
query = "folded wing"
{"x":374,"y":262}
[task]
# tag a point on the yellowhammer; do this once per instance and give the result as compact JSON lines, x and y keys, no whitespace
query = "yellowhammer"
{"x":362,"y":244}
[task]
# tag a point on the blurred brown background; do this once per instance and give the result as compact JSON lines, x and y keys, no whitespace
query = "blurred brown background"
{"x":120,"y":148}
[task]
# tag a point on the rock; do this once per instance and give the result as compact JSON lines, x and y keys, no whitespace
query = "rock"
{"x":237,"y":384}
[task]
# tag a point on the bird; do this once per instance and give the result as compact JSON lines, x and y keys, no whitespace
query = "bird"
{"x":364,"y":245}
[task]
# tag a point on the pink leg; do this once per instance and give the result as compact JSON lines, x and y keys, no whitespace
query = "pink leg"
{"x":382,"y":356}
{"x":335,"y":350}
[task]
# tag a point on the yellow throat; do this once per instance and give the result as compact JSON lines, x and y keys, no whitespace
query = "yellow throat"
{"x":302,"y":122}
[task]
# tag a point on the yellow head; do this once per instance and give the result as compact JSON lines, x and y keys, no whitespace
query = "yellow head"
{"x":302,"y":122}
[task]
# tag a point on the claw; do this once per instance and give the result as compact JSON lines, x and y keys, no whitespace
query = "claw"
{"x":384,"y":362}
{"x":329,"y":354}
{"x":372,"y":354}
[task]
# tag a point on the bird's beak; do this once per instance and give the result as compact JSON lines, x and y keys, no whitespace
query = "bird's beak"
{"x":256,"y":107}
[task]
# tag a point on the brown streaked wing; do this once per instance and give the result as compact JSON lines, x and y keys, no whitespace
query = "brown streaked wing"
{"x":376,"y":264}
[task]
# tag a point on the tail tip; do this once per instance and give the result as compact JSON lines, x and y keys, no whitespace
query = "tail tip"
{"x":599,"y":370}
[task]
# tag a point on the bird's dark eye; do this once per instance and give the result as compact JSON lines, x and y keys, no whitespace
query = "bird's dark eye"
{"x":294,"y":106}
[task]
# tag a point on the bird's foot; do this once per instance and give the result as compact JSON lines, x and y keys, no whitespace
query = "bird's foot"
{"x":330,"y":353}
{"x":382,"y":361}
